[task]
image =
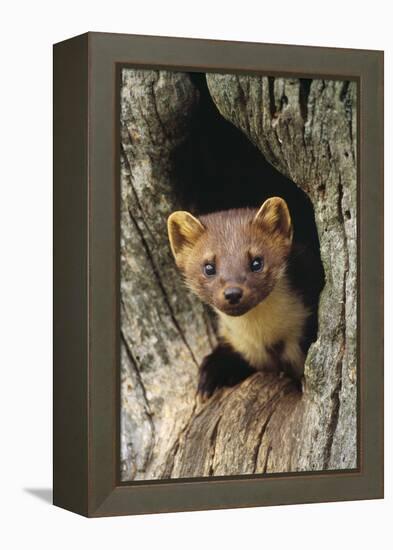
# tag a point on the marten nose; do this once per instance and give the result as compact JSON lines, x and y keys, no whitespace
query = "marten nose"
{"x":233,"y":295}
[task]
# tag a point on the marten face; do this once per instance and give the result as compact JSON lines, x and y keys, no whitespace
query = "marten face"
{"x":233,"y":259}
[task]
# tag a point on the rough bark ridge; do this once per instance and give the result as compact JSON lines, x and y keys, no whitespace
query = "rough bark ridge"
{"x":307,"y":130}
{"x":165,"y":331}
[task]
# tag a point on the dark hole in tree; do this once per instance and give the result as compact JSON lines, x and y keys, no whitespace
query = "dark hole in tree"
{"x":218,"y":168}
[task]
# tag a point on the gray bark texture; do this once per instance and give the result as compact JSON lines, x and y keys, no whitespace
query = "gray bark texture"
{"x":165,"y":331}
{"x":307,"y":130}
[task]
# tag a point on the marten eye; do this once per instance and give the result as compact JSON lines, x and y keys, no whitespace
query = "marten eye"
{"x":256,"y":264}
{"x":209,"y":269}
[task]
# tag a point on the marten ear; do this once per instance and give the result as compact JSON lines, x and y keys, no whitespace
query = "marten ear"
{"x":183,"y":231}
{"x":274,"y":217}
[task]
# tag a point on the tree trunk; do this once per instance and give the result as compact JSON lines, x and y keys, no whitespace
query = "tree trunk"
{"x":306,"y":130}
{"x":165,"y":331}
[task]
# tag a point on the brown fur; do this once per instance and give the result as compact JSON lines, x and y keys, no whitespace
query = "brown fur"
{"x":270,"y":315}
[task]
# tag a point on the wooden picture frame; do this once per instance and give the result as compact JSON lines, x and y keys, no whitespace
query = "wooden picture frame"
{"x":86,"y":275}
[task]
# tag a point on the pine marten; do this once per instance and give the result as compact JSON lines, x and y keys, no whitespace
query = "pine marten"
{"x":244,"y":264}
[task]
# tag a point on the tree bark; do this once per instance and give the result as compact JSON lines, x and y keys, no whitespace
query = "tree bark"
{"x":307,"y":130}
{"x":165,"y":331}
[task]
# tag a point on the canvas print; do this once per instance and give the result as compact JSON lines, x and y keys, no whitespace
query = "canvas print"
{"x":238,"y":275}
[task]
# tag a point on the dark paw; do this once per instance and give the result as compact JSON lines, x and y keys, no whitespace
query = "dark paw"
{"x":210,"y":378}
{"x":222,"y":368}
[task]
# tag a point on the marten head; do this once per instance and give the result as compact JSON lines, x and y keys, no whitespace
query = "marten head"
{"x":233,"y":259}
